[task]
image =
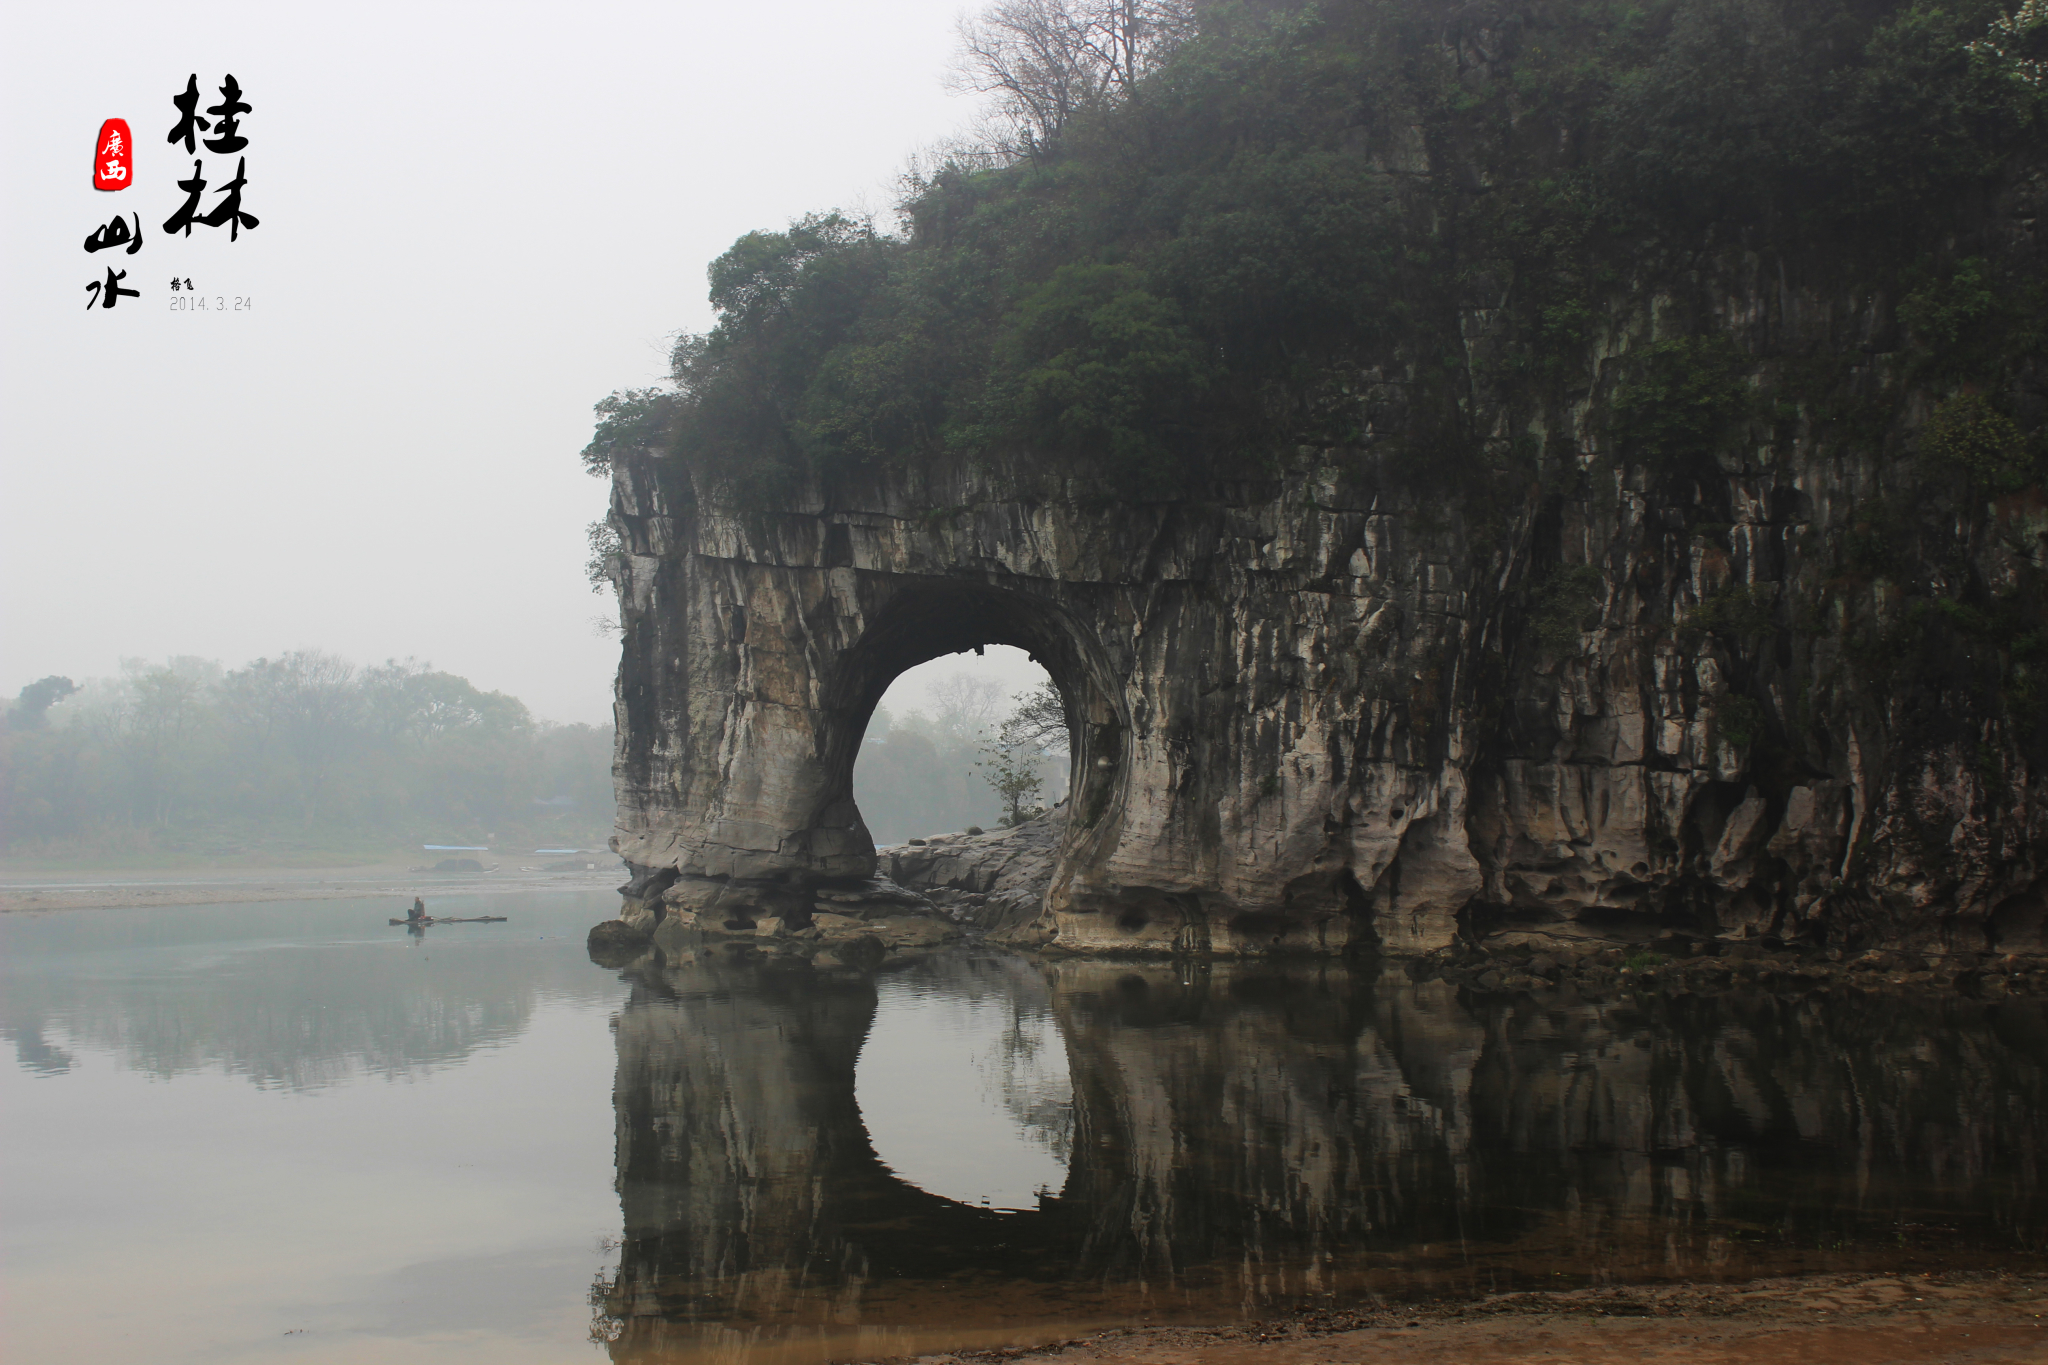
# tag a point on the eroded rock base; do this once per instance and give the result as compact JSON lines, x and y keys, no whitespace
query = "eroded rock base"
{"x":994,"y":884}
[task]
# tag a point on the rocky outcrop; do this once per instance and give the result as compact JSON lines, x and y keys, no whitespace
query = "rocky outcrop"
{"x":847,"y":924}
{"x":995,"y":881}
{"x":1247,"y":775}
{"x":1337,"y":706}
{"x":1291,"y":720}
{"x":932,"y":892}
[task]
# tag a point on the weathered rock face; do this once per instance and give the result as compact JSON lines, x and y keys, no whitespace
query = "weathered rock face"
{"x":1241,"y":778}
{"x":1313,"y":712}
{"x":994,"y":881}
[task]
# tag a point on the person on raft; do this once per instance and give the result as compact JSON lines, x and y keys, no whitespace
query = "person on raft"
{"x":418,"y":911}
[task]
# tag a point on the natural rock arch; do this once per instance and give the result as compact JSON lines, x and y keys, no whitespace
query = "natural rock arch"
{"x":1325,"y":719}
{"x":1240,"y":782}
{"x":924,"y":620}
{"x":1688,"y":580}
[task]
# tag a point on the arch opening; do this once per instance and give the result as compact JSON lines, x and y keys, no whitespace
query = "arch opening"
{"x":925,"y":764}
{"x":931,"y":622}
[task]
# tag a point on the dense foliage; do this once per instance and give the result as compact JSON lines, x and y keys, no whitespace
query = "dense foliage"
{"x":1287,"y":231}
{"x":305,"y":748}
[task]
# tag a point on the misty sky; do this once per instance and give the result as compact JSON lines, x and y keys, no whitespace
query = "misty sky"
{"x":476,"y":221}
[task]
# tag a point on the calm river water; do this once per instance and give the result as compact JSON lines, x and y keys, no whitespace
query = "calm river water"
{"x":293,"y":1133}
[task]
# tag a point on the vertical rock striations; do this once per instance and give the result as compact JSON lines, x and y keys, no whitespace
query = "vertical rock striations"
{"x":1326,"y":710}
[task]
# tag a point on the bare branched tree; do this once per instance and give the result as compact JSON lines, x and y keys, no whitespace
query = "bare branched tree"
{"x":988,"y":144}
{"x":1128,"y":38}
{"x":964,"y":707}
{"x":1047,"y":60}
{"x":1039,"y":723}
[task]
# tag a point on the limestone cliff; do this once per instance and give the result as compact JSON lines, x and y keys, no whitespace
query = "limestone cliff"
{"x":1447,"y":493}
{"x":1313,"y":713}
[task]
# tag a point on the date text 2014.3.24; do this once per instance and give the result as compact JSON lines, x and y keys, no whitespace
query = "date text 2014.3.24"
{"x":218,"y":303}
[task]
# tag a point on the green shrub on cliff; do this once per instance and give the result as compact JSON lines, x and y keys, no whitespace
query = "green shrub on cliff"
{"x":1968,"y":434}
{"x":1740,"y":614}
{"x":629,"y":420}
{"x":1678,"y":403}
{"x":1943,"y":313}
{"x":1095,"y":363}
{"x":1559,"y":608}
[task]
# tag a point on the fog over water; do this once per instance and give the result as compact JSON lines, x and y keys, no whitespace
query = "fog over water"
{"x":473,"y":225}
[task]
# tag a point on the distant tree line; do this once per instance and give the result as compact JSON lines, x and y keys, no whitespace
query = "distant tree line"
{"x":305,"y":744}
{"x":975,"y":759}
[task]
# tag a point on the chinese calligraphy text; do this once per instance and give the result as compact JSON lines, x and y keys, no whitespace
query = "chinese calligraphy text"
{"x":114,"y":234}
{"x":113,"y":156}
{"x":227,"y":137}
{"x":105,"y":295}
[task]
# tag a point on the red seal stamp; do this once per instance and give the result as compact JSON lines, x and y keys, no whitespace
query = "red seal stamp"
{"x":113,"y":156}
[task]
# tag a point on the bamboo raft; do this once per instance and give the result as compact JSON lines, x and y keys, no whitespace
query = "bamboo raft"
{"x":454,"y":919}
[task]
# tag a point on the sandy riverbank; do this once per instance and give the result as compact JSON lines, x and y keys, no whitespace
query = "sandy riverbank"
{"x":1984,"y":1319}
{"x":133,"y":888}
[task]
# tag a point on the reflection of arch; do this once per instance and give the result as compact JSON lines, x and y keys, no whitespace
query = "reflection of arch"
{"x":1253,"y":1137}
{"x":748,"y":1187}
{"x":937,"y":617}
{"x":752,"y":1196}
{"x":962,"y":1081}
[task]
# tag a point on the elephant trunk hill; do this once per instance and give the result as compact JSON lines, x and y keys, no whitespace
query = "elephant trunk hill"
{"x":1605,"y":549}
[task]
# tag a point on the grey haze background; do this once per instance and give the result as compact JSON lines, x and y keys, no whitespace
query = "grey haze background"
{"x":476,"y":221}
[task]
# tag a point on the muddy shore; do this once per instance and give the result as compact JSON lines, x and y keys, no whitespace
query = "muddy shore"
{"x":1869,"y":1319}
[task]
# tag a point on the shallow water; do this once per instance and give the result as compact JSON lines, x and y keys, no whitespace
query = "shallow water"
{"x":291,"y":1132}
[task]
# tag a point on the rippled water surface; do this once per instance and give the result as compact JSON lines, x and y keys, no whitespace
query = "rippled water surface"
{"x":292,"y":1132}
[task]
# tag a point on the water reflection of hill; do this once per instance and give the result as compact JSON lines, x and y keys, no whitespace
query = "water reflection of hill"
{"x":1248,"y":1137}
{"x":285,"y":994}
